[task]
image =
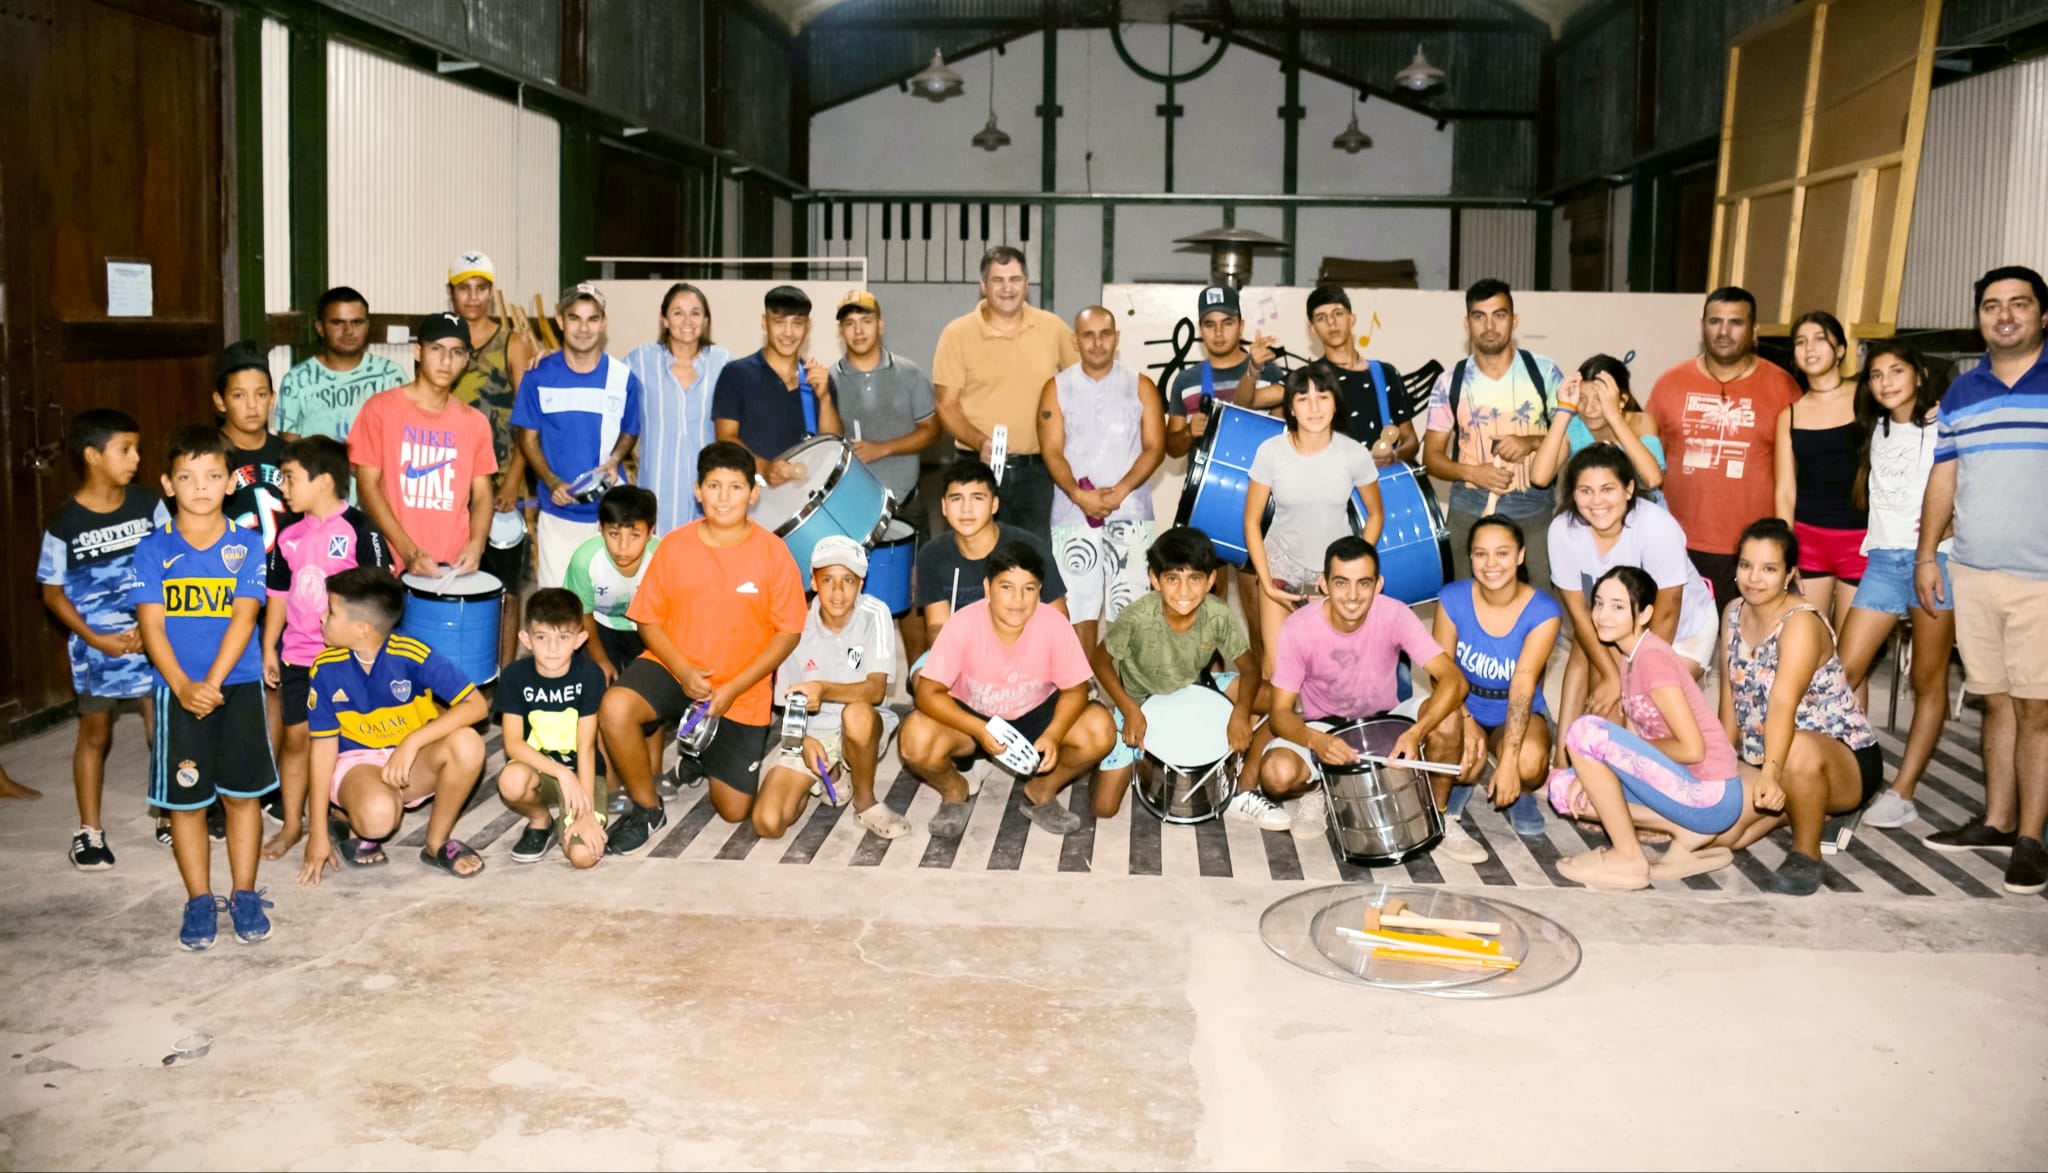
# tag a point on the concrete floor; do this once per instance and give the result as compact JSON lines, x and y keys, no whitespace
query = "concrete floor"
{"x":676,"y":1013}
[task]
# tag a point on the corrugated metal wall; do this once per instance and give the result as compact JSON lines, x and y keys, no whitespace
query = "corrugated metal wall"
{"x":1692,"y":63}
{"x":647,"y":56}
{"x":1497,"y":242}
{"x":1979,"y":202}
{"x":1596,"y":99}
{"x":277,"y":171}
{"x":757,"y":102}
{"x":1965,"y":21}
{"x":419,"y":169}
{"x":524,"y":36}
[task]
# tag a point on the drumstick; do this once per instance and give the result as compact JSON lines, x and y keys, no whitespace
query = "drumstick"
{"x":1493,"y":498}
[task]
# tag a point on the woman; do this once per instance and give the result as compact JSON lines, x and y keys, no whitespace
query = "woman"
{"x":677,"y":373}
{"x":1667,"y":760}
{"x":1787,"y":705}
{"x":1308,"y":472}
{"x":1820,"y":447}
{"x":1603,"y":525}
{"x":1501,"y":632}
{"x":1596,"y":406}
{"x":1895,"y":404}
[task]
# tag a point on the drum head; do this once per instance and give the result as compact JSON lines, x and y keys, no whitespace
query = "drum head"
{"x":1374,"y":736}
{"x":476,"y":585}
{"x":508,"y":529}
{"x":783,"y":506}
{"x":895,"y":532}
{"x":1189,"y":728}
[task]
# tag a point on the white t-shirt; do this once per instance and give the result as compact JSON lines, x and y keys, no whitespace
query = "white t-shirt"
{"x":1901,"y":457}
{"x":865,"y":646}
{"x":1311,"y":501}
{"x":1650,"y":540}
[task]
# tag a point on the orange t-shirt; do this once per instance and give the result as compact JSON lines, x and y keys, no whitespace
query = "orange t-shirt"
{"x":720,"y":605}
{"x":1720,"y":442}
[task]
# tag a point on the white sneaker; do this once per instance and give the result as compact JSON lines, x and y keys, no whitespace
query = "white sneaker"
{"x":1890,"y":811}
{"x":1251,"y":806}
{"x":1311,"y":810}
{"x":1459,"y":846}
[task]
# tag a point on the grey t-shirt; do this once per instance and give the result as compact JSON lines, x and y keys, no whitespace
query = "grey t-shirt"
{"x":865,"y":646}
{"x":887,"y":402}
{"x":940,"y":558}
{"x":1311,"y":499}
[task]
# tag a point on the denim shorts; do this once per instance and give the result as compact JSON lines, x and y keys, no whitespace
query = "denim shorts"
{"x":1887,"y":584}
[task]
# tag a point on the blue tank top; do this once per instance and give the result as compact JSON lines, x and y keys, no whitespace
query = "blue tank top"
{"x":1487,"y":660}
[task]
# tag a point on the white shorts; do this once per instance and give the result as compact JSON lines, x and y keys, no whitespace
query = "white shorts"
{"x":830,"y":739}
{"x":557,"y":539}
{"x":1103,"y":568}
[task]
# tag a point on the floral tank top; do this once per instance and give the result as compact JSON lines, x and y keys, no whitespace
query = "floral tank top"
{"x":487,"y":386}
{"x":1828,"y":708}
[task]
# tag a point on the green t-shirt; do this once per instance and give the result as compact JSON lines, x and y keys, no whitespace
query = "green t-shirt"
{"x":314,"y":401}
{"x":594,"y":578}
{"x":1153,"y":659}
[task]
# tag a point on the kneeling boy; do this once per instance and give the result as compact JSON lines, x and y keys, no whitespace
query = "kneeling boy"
{"x":380,"y":744}
{"x":548,"y":702}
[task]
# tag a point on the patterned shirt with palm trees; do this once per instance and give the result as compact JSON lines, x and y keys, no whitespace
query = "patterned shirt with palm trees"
{"x":1489,"y":408}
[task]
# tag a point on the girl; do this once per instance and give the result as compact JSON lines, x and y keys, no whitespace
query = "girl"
{"x":1786,"y":702}
{"x":1308,"y":472}
{"x":677,"y":373}
{"x":1895,"y":405}
{"x":1820,"y":447}
{"x":1667,"y":759}
{"x":1596,"y":405}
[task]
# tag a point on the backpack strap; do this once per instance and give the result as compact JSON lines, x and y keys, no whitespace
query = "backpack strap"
{"x":1536,"y":377}
{"x":1457,"y":389}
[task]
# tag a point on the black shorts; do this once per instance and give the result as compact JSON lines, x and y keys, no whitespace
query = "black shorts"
{"x":294,"y":692}
{"x":193,"y":760}
{"x":1032,"y":725}
{"x":620,"y":647}
{"x":508,"y":566}
{"x":1870,"y":763}
{"x":735,"y":753}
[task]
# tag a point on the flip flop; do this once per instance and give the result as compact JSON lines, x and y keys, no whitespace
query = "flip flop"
{"x":1690,"y":863}
{"x":355,"y":851}
{"x":451,"y":853}
{"x":1591,"y":870}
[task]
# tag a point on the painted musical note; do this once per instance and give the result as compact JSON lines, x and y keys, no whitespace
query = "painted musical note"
{"x":1365,"y":339}
{"x":1268,"y":313}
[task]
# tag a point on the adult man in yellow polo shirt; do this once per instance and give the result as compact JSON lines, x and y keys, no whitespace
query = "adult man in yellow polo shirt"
{"x":990,"y":367}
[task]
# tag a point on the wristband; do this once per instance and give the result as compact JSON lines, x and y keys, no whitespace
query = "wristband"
{"x":1925,"y":561}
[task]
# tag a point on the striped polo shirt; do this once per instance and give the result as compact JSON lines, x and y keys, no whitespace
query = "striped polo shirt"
{"x":1999,"y":437}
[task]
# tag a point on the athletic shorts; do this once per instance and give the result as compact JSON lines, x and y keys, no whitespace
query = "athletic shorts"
{"x":551,"y":797}
{"x":294,"y":692}
{"x":1870,"y":764}
{"x":1032,"y":725}
{"x":620,"y":647}
{"x":735,"y":753}
{"x":90,"y":703}
{"x":1887,"y":584}
{"x":225,"y":754}
{"x":832,"y":740}
{"x":349,"y":759}
{"x":508,"y":565}
{"x":1836,"y":553}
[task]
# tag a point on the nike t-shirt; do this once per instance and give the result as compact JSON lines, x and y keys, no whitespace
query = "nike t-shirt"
{"x":428,"y":460}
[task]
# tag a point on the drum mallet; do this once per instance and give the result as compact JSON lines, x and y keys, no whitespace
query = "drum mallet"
{"x":1395,"y":915}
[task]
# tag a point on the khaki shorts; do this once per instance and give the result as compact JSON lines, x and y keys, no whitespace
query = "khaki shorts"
{"x":2002,"y":631}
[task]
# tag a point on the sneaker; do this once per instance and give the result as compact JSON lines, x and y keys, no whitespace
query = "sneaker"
{"x":245,"y":909}
{"x":1527,"y":816}
{"x":1051,"y":816}
{"x":163,"y":833}
{"x":202,"y":923}
{"x":1459,"y":846}
{"x":1252,"y":807}
{"x":217,"y":822}
{"x":1890,"y":811}
{"x":534,"y":843}
{"x":1836,"y":832}
{"x":89,"y":851}
{"x":631,"y":832}
{"x":1799,"y":875}
{"x":1971,"y":836}
{"x":2027,"y":872}
{"x":1311,"y":810}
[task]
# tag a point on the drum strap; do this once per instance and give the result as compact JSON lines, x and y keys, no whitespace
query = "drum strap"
{"x":1379,"y":386}
{"x":809,"y":398}
{"x":1457,"y":389}
{"x":1208,"y":385}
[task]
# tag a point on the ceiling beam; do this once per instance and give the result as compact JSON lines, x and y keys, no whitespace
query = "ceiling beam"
{"x":1337,"y":24}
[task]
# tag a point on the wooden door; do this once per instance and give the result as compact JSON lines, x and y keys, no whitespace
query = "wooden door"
{"x":114,"y":151}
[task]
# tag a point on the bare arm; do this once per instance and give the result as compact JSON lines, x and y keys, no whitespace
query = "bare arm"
{"x":1448,"y":689}
{"x":480,"y":513}
{"x":1786,"y":469}
{"x":1152,"y":440}
{"x":1179,"y":438}
{"x":1375,"y":518}
{"x":828,"y":406}
{"x":1255,"y":497}
{"x":1686,"y":744}
{"x":370,"y":494}
{"x":729,"y":431}
{"x":1649,"y":473}
{"x":1937,"y":511}
{"x":953,"y":418}
{"x":1052,"y":443}
{"x":1556,"y":449}
{"x":1664,"y":620}
{"x":528,"y":442}
{"x":872,"y":691}
{"x":1522,"y":689}
{"x":934,"y":701}
{"x":771,"y":656}
{"x":1802,"y":645}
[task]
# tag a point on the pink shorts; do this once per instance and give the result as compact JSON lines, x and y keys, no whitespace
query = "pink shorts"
{"x":1836,"y":553}
{"x":349,"y":760}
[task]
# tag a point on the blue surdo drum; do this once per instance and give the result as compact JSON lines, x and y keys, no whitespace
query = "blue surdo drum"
{"x":456,"y":616}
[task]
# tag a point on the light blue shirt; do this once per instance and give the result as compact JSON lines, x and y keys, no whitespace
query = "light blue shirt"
{"x":675,"y":425}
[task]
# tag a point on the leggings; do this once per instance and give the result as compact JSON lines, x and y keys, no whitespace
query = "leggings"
{"x":1652,"y":779}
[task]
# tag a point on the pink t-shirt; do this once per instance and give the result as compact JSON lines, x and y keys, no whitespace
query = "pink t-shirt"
{"x":309,"y":552}
{"x":428,"y":460}
{"x":1653,"y":666}
{"x":1006,"y":680}
{"x":1339,"y":675}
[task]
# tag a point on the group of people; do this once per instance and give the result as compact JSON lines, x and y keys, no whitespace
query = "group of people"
{"x":258,"y":597}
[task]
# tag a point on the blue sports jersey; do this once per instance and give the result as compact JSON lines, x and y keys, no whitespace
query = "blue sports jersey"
{"x":375,"y":708}
{"x":197,"y":590}
{"x":578,"y":418}
{"x":90,"y":556}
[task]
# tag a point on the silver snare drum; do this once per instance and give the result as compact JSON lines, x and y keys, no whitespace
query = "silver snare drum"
{"x":1186,"y":773}
{"x":1379,"y":814}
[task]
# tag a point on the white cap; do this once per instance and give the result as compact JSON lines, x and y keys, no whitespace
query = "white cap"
{"x":471,"y":264}
{"x":839,"y":550}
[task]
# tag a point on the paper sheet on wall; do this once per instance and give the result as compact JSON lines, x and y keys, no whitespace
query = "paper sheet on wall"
{"x":131,"y":291}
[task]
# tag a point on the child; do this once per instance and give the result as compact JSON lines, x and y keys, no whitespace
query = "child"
{"x":720,"y":607}
{"x":1164,"y":641}
{"x":380,"y":745}
{"x":198,"y":589}
{"x":330,"y":536}
{"x":951,"y":567}
{"x":549,"y":706}
{"x":243,"y":396}
{"x":87,"y":570}
{"x":840,"y":672}
{"x":605,"y":573}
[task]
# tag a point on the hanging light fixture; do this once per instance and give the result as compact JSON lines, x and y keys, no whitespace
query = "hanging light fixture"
{"x":1420,"y":74}
{"x":991,"y":137}
{"x":1352,"y":140}
{"x":936,"y":81}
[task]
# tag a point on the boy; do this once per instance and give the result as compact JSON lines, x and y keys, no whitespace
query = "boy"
{"x":720,"y":607}
{"x":1164,"y":642}
{"x":604,"y":574}
{"x":329,"y":537}
{"x":951,"y":567}
{"x":548,"y":703}
{"x":840,"y":672}
{"x":198,"y":590}
{"x":380,"y":748}
{"x":772,"y":399}
{"x":1006,"y":658}
{"x":87,"y":570}
{"x":243,"y":396}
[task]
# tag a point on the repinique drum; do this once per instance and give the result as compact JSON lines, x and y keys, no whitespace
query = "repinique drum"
{"x":1220,"y":474}
{"x":1185,"y":774}
{"x":1414,"y":545}
{"x":1379,"y":815}
{"x":836,"y":495}
{"x":456,"y":616}
{"x":890,"y":562}
{"x":695,"y":731}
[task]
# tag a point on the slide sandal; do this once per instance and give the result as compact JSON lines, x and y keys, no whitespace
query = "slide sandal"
{"x":356,"y":852}
{"x":451,"y":853}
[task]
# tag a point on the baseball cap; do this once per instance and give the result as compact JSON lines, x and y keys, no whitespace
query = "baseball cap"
{"x":839,"y":550}
{"x":858,"y":300}
{"x":1217,"y":297}
{"x":435,"y":327}
{"x":471,"y":264}
{"x":239,"y":356}
{"x":581,"y":291}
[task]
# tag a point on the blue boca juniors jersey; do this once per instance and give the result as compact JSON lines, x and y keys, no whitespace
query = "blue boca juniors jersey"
{"x":197,"y":590}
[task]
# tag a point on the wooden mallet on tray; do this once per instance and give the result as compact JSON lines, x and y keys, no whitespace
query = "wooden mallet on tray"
{"x":1394,"y":914}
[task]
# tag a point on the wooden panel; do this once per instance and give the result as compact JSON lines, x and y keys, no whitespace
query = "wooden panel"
{"x":1764,"y":258}
{"x":1827,"y":227}
{"x":1767,"y":106}
{"x":1867,"y":62}
{"x":1885,"y":221}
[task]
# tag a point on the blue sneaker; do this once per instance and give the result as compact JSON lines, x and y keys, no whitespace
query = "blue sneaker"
{"x":202,"y":922}
{"x":1527,"y":817}
{"x":245,"y":908}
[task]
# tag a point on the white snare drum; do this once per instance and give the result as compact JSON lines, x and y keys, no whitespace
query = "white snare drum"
{"x":1185,"y":774}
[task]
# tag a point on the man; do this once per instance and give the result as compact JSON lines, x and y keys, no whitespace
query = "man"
{"x":1226,"y":371}
{"x":1717,"y":417}
{"x":950,"y":568}
{"x":1991,"y":450}
{"x":772,"y":399}
{"x":1487,"y":417}
{"x":424,"y":462}
{"x":578,"y":412}
{"x":498,"y":360}
{"x":1100,"y":428}
{"x":1364,"y":382}
{"x":990,"y":366}
{"x":321,"y":396}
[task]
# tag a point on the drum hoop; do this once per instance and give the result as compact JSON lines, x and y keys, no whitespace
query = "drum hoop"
{"x":1361,"y":767}
{"x":496,"y":592}
{"x":814,"y":499}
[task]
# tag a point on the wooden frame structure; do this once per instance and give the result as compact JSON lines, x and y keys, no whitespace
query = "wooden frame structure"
{"x":1820,"y":151}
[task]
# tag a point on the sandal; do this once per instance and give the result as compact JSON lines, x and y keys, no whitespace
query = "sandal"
{"x":1592,"y":869}
{"x":883,"y":821}
{"x":1678,"y":863}
{"x":452,"y":853}
{"x":354,"y":850}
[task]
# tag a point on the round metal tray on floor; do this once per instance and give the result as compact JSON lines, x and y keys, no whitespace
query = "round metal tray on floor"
{"x":1303,"y":928}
